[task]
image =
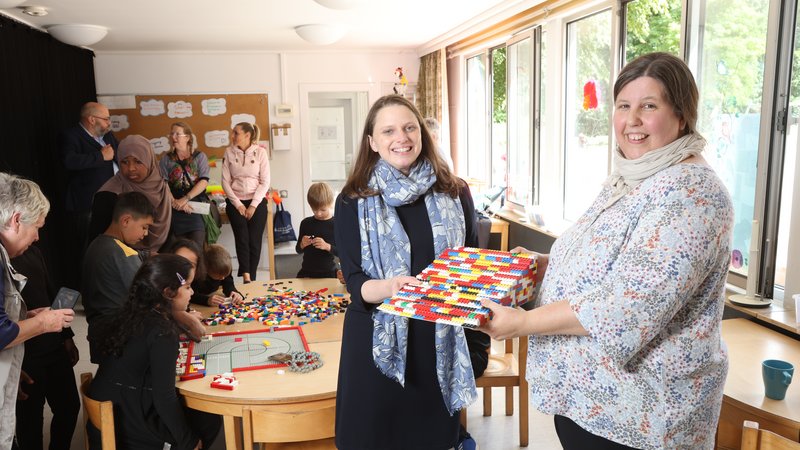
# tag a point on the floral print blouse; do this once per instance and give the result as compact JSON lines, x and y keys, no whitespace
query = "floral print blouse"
{"x":646,"y":279}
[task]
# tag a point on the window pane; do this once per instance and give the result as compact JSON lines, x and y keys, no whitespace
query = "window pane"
{"x":730,"y":82}
{"x":790,"y":166}
{"x":588,"y":103}
{"x":476,"y":118}
{"x":499,"y":114}
{"x":520,"y":122}
{"x":652,"y":26}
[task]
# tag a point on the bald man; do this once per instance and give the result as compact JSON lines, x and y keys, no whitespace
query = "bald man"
{"x":88,"y":153}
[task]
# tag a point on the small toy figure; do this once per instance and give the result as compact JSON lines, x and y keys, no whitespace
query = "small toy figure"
{"x":402,"y":82}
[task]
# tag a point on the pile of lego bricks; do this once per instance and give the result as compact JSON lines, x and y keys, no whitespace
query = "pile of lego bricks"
{"x":454,"y":284}
{"x":282,"y":306}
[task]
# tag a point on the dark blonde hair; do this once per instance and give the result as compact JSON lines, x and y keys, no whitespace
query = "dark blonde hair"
{"x":251,"y":128}
{"x":357,"y":183}
{"x":218,"y":260}
{"x":187,"y":130}
{"x":677,"y":81}
{"x":319,"y":195}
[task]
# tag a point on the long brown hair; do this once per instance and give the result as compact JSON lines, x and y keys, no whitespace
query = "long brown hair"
{"x":357,"y":183}
{"x":680,"y":89}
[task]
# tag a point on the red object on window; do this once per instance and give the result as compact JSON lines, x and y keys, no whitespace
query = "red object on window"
{"x":589,"y":95}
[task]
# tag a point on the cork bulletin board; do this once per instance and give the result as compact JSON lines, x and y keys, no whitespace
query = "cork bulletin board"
{"x":211,"y":117}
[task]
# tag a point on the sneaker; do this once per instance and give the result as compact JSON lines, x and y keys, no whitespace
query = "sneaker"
{"x":467,"y":443}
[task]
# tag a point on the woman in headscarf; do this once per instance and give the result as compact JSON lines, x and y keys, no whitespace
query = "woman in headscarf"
{"x":138,"y":172}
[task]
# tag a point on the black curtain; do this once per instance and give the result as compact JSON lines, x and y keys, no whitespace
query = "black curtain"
{"x":43,"y":84}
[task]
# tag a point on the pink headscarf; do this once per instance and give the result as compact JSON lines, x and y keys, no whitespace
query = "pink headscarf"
{"x":152,"y":186}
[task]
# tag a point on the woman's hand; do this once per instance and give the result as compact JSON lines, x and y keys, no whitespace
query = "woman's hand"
{"x":180,"y":203}
{"x":397,"y":283}
{"x":506,"y":322}
{"x":375,"y":291}
{"x":248,"y":214}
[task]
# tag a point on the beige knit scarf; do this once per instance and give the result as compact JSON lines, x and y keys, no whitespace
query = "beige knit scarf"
{"x":628,"y":173}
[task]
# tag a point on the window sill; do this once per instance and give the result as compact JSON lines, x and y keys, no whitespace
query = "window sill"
{"x":520,"y":219}
{"x":774,"y":314}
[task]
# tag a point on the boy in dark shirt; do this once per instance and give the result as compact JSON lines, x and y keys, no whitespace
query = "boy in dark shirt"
{"x":218,"y":273}
{"x":48,"y":362}
{"x":110,"y":262}
{"x":316,"y":241}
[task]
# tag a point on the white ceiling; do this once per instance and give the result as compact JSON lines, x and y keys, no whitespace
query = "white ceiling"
{"x":247,"y":25}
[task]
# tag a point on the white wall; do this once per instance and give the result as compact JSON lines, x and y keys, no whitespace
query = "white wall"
{"x":254,"y":72}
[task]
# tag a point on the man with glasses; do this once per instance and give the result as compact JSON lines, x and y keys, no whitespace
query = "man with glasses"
{"x":88,"y":153}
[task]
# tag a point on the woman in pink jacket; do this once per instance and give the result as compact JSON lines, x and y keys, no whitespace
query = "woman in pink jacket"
{"x":245,"y":180}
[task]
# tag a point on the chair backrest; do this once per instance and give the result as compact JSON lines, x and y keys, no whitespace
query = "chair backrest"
{"x":100,"y":414}
{"x":292,"y":423}
{"x":755,"y":439}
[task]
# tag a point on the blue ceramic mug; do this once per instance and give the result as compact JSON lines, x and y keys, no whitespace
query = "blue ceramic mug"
{"x":777,"y":376}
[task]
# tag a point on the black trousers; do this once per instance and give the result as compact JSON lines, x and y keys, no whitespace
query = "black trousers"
{"x":54,"y":382}
{"x":75,"y":235}
{"x":248,"y":236}
{"x":573,"y":437}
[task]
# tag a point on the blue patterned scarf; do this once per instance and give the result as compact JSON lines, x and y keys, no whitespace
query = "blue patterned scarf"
{"x":386,"y":253}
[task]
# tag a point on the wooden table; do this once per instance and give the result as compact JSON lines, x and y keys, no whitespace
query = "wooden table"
{"x":748,"y":344}
{"x":266,"y":387}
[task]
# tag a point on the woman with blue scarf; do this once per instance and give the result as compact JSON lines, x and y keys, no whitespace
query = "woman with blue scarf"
{"x":401,"y":382}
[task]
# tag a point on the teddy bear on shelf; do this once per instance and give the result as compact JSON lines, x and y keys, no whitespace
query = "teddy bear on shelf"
{"x":402,"y":82}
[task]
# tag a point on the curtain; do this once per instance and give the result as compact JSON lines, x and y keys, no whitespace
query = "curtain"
{"x":429,"y":90}
{"x":43,"y":84}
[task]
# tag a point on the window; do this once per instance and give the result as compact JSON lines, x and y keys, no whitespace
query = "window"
{"x":587,"y":138}
{"x":652,"y":26}
{"x":499,"y":130}
{"x":729,"y":50}
{"x":477,"y":163}
{"x":520,"y":121}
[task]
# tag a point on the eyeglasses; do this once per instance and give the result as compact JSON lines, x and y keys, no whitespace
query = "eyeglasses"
{"x":176,"y":134}
{"x":107,"y":119}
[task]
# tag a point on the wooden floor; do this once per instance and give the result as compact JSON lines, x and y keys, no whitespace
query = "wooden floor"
{"x":498,"y":432}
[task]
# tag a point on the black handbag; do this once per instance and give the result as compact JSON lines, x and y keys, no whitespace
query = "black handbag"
{"x":282,"y":225}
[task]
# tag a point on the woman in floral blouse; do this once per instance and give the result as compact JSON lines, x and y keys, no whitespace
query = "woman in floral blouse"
{"x":625,"y":346}
{"x":186,"y":174}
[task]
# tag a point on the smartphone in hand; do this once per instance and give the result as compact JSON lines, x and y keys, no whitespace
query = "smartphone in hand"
{"x":66,"y":299}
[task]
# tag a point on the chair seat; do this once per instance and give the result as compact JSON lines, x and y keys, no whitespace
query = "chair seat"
{"x":320,"y":444}
{"x":502,"y":370}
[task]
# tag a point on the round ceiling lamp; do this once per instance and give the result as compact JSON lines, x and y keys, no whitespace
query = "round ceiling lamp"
{"x":78,"y":34}
{"x":320,"y":34}
{"x":4,"y":4}
{"x":340,"y":4}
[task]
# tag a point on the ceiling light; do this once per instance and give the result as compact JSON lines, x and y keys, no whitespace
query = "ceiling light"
{"x":320,"y":34}
{"x":10,"y":3}
{"x":35,"y":11}
{"x":78,"y":34}
{"x":339,"y":4}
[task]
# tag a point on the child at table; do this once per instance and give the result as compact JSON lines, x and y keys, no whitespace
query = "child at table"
{"x":139,"y":347}
{"x":219,"y":272}
{"x":316,"y":241}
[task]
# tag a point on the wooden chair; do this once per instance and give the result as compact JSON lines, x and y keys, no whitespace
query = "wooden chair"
{"x":309,"y":426}
{"x":755,"y":439}
{"x":507,"y":370}
{"x":100,"y":414}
